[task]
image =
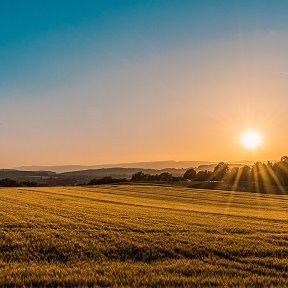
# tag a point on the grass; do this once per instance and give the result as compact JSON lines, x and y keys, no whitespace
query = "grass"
{"x":142,"y":236}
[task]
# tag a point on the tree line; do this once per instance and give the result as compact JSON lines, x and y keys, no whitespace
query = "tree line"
{"x":248,"y":178}
{"x":267,"y":173}
{"x":14,"y":183}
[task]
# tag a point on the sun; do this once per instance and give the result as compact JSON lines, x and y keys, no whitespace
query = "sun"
{"x":251,"y":139}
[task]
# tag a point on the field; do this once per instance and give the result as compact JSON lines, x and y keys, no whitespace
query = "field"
{"x":142,"y":236}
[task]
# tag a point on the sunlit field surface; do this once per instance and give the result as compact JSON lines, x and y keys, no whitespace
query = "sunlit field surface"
{"x":142,"y":236}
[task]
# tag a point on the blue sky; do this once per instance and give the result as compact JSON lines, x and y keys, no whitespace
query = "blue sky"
{"x":71,"y":67}
{"x":46,"y":43}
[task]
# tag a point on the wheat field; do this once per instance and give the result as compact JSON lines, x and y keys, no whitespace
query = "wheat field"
{"x":142,"y":236}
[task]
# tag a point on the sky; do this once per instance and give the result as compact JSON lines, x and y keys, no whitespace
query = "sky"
{"x":94,"y":82}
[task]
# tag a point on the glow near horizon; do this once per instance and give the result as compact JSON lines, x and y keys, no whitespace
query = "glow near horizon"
{"x":172,"y":102}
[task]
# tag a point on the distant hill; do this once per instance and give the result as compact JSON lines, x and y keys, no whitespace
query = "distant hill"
{"x":74,"y":175}
{"x":81,"y":176}
{"x":144,"y":165}
{"x":84,"y":176}
{"x":120,"y":172}
{"x":25,"y":175}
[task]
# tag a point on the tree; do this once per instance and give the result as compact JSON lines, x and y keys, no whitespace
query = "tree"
{"x":245,"y":173}
{"x":220,"y":171}
{"x":233,"y":175}
{"x":203,"y":175}
{"x":190,"y":174}
{"x":281,"y":170}
{"x":284,"y":159}
{"x":165,"y":176}
{"x":139,"y":176}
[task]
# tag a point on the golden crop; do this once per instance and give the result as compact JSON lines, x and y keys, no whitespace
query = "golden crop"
{"x":142,"y":236}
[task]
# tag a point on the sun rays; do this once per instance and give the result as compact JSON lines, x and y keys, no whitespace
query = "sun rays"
{"x":260,"y":178}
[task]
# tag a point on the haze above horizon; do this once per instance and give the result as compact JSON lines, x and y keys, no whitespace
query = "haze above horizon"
{"x":93,"y":82}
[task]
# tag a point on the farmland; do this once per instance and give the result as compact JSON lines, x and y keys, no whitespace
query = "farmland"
{"x":142,"y":236}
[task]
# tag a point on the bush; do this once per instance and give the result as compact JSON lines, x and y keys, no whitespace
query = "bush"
{"x":107,"y":180}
